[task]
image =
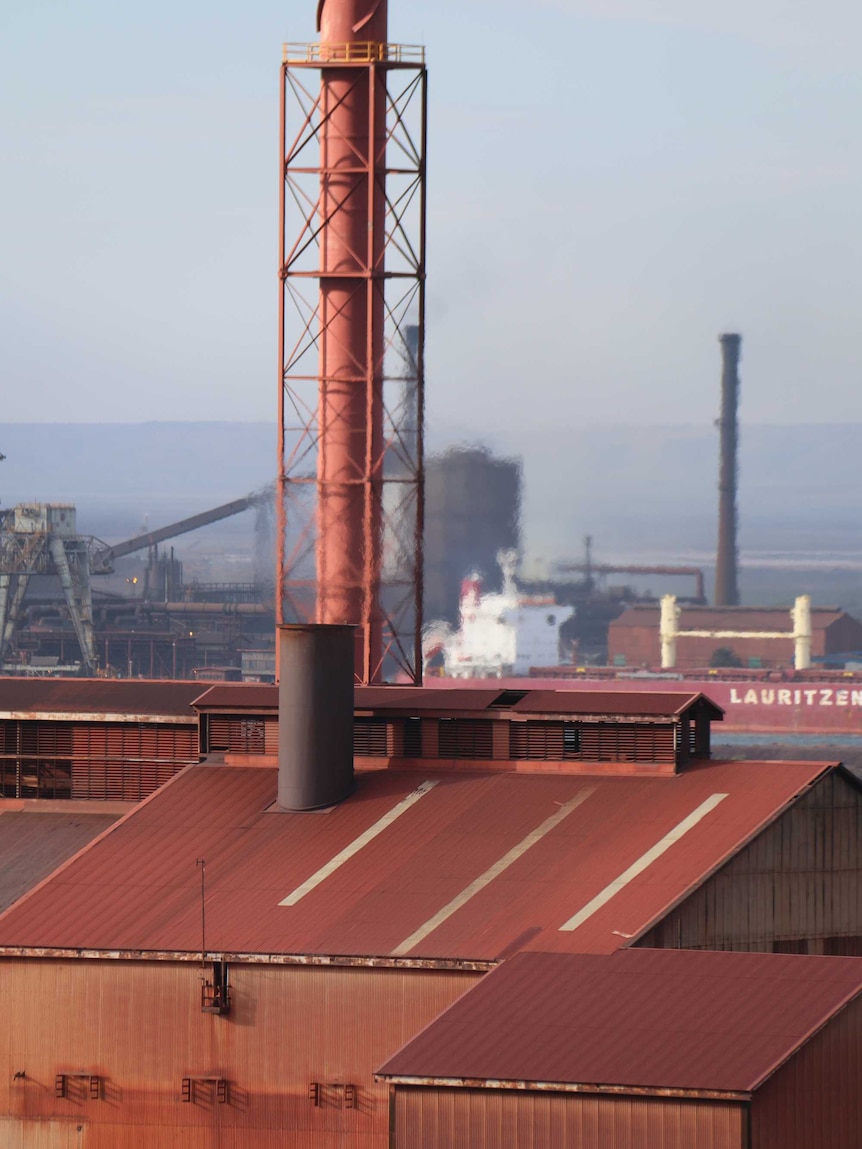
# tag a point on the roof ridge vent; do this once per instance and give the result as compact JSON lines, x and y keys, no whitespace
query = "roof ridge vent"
{"x":507,"y":698}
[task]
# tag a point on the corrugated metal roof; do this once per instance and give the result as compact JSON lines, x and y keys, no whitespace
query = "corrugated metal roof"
{"x":94,"y":696}
{"x":631,"y":704}
{"x":634,"y":704}
{"x":33,"y":845}
{"x":234,"y":696}
{"x":237,"y":696}
{"x":418,"y":699}
{"x":564,"y":841}
{"x":670,"y":1019}
{"x":728,"y":617}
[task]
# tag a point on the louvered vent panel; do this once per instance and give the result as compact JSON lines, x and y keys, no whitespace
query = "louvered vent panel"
{"x":543,"y":740}
{"x":627,"y":742}
{"x":270,"y":735}
{"x":370,"y":737}
{"x":412,"y":737}
{"x":218,"y":737}
{"x":247,"y":736}
{"x":465,"y":738}
{"x":126,"y":761}
{"x":9,"y":736}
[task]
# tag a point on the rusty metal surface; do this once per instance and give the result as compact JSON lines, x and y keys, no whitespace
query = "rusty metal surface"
{"x":657,"y":704}
{"x":351,"y":381}
{"x":798,"y":884}
{"x":140,"y":1027}
{"x":237,"y":696}
{"x":135,"y":700}
{"x":34,"y":844}
{"x":813,"y":1101}
{"x":138,"y":887}
{"x":606,"y":703}
{"x":645,"y":1018}
{"x":483,"y":1119}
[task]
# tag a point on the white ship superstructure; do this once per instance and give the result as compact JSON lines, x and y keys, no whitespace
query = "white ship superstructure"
{"x":499,"y":634}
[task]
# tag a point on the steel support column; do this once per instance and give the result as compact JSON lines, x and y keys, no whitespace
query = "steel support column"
{"x":351,"y":343}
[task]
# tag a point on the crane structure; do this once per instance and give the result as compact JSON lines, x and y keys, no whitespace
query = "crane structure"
{"x":43,"y":539}
{"x":350,"y":484}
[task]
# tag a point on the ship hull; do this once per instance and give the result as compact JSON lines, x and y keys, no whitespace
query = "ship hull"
{"x":830,"y":704}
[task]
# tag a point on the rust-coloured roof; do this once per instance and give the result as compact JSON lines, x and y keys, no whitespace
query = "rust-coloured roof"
{"x":616,"y":703}
{"x":613,"y":703}
{"x":728,"y":617}
{"x":237,"y":696}
{"x":33,"y":845}
{"x":419,"y":699}
{"x":430,"y":884}
{"x":91,"y":697}
{"x":672,"y":1019}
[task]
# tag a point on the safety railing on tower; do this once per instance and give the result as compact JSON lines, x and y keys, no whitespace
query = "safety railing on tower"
{"x":359,"y":52}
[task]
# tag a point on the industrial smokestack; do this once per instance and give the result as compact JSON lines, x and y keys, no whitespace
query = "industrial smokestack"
{"x":726,"y":562}
{"x":350,"y":437}
{"x":315,"y":715}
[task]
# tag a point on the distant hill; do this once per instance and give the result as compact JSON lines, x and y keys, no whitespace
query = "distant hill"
{"x":639,"y":491}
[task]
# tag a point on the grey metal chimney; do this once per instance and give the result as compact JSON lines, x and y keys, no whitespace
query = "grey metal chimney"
{"x":315,"y":715}
{"x":726,"y":561}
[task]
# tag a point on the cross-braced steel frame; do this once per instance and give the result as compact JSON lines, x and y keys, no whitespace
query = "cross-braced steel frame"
{"x":387,"y":177}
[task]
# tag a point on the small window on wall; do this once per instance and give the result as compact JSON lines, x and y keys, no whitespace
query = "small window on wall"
{"x":571,"y":739}
{"x":619,"y":660}
{"x":413,"y":738}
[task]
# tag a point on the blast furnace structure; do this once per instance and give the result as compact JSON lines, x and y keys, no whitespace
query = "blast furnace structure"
{"x":351,"y":336}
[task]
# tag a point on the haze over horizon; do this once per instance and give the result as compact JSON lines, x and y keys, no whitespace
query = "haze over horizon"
{"x":610,"y":185}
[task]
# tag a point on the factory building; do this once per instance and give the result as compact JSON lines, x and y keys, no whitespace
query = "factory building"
{"x":668,"y":1050}
{"x":214,"y":967}
{"x":107,"y":740}
{"x":633,"y":638}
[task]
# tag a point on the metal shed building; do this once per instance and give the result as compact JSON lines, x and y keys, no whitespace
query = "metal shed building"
{"x":666,"y":1049}
{"x":331,"y":938}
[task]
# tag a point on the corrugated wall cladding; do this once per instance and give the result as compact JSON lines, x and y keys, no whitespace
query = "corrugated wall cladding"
{"x":139,"y":1027}
{"x":797,"y":888}
{"x":511,"y":1119}
{"x":814,"y":1100}
{"x":119,"y":761}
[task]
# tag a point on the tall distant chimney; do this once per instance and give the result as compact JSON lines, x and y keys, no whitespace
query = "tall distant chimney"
{"x":726,"y":563}
{"x":315,"y":715}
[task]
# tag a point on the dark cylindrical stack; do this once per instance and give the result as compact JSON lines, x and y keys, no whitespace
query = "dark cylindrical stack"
{"x":726,"y":563}
{"x":315,"y":715}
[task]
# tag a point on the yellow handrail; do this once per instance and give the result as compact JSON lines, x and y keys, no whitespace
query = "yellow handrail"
{"x":355,"y":52}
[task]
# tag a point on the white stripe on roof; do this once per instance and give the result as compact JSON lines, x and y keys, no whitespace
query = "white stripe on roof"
{"x":645,"y":860}
{"x":490,"y":874}
{"x":357,"y":844}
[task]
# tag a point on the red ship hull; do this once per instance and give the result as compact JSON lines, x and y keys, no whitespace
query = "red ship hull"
{"x":768,"y":702}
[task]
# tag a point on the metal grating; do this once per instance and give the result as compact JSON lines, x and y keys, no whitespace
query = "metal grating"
{"x":370,"y":737}
{"x":628,"y":742}
{"x":466,"y":738}
{"x":547,"y":741}
{"x":108,"y":760}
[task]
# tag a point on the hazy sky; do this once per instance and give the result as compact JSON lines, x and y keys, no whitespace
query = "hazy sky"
{"x":612,"y":183}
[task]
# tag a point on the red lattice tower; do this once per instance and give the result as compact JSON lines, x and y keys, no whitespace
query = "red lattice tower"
{"x":351,"y":337}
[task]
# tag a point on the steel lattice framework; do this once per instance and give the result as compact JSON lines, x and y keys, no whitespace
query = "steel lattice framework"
{"x":351,"y":347}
